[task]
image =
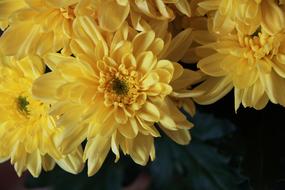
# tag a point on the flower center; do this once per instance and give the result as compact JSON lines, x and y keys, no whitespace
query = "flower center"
{"x":120,"y":87}
{"x":260,"y":45}
{"x":23,"y":103}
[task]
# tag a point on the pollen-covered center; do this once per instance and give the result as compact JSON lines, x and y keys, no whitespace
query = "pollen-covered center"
{"x":260,"y":45}
{"x":23,"y":104}
{"x":120,"y":87}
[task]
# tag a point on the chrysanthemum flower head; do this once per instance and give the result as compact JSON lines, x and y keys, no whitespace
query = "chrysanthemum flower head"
{"x":27,"y":131}
{"x":116,"y":91}
{"x":46,"y":25}
{"x":41,"y":26}
{"x":244,"y":15}
{"x":252,"y":64}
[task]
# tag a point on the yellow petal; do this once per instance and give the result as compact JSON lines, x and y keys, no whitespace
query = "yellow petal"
{"x":150,"y":80}
{"x":7,"y":7}
{"x":143,"y":41}
{"x":145,"y":62}
{"x":115,"y":146}
{"x":32,"y":67}
{"x":120,"y":116}
{"x":272,"y":17}
{"x":214,"y":89}
{"x":272,"y":83}
{"x":142,"y":149}
{"x":181,"y":136}
{"x":96,"y":151}
{"x":252,"y":96}
{"x":211,"y":65}
{"x":62,"y":3}
{"x":121,"y":49}
{"x":25,"y":43}
{"x":184,"y":7}
{"x":112,"y":15}
{"x":187,"y":79}
{"x":54,"y":59}
{"x":51,"y":82}
{"x":73,"y":162}
{"x":48,"y":163}
{"x":279,"y":66}
{"x":88,"y":35}
{"x":179,"y":46}
{"x":222,"y":23}
{"x":71,"y":137}
{"x":130,"y":129}
{"x":149,"y":112}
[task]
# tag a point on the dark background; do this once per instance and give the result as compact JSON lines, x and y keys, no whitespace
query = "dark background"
{"x":261,"y":134}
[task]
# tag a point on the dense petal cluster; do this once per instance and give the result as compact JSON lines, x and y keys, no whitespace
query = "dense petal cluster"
{"x":27,"y":131}
{"x":245,"y":16}
{"x":249,"y":58}
{"x":125,"y":90}
{"x":43,"y":26}
{"x":116,"y":78}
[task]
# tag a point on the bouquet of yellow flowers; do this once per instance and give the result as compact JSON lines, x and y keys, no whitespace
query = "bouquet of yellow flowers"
{"x":82,"y":78}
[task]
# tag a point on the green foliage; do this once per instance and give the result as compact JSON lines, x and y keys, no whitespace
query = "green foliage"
{"x":200,"y":165}
{"x":208,"y":163}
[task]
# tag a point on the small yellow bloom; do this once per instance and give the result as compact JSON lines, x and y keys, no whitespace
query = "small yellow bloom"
{"x":115,"y":89}
{"x":251,"y":64}
{"x":27,"y":131}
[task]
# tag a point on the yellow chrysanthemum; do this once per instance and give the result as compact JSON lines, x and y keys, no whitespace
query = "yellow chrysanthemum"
{"x":115,"y":89}
{"x":244,"y":14}
{"x":40,"y":26}
{"x":27,"y":132}
{"x":252,"y":64}
{"x":46,"y":25}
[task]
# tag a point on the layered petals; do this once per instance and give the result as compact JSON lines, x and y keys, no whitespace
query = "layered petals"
{"x":125,"y":89}
{"x":27,"y":130}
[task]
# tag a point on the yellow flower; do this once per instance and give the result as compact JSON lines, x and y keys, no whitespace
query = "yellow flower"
{"x":40,"y":26}
{"x":44,"y":26}
{"x":142,"y":14}
{"x":251,"y":64}
{"x":27,"y":131}
{"x":245,"y":15}
{"x":117,"y":90}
